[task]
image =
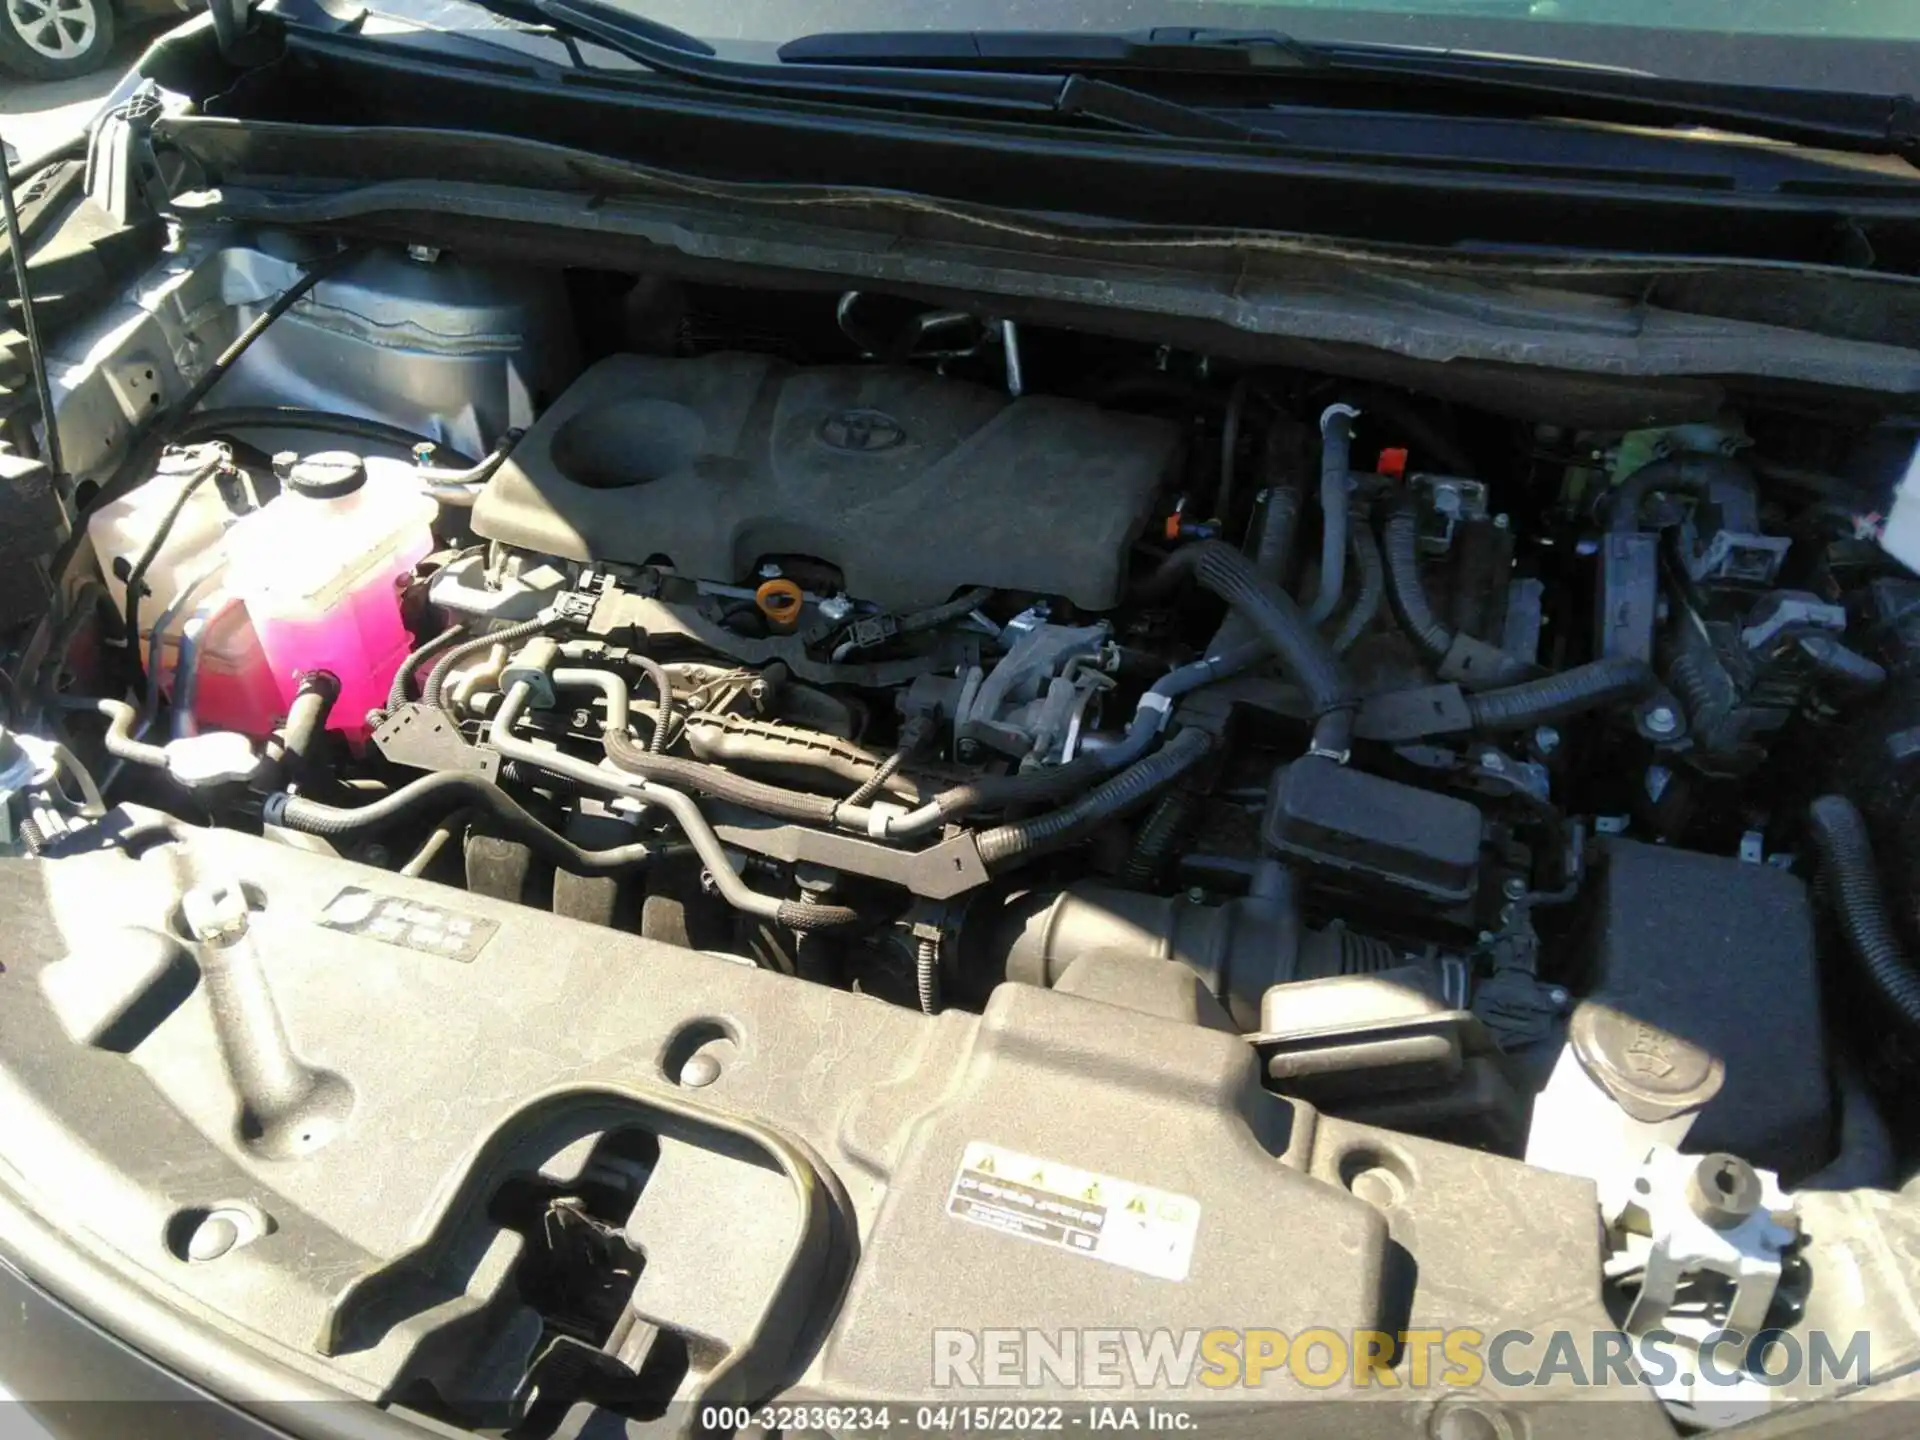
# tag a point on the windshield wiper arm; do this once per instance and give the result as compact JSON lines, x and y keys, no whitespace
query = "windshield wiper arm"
{"x":1883,"y":124}
{"x":1072,"y":96}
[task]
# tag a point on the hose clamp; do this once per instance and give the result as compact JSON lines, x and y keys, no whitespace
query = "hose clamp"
{"x":1322,"y":752}
{"x":1328,"y":415}
{"x":274,"y":809}
{"x":1153,"y":700}
{"x":880,"y":816}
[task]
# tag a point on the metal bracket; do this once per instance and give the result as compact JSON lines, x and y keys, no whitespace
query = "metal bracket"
{"x":422,"y":737}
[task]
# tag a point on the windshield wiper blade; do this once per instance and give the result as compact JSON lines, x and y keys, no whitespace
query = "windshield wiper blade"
{"x":1072,"y":96}
{"x":1884,"y":124}
{"x":1166,"y":48}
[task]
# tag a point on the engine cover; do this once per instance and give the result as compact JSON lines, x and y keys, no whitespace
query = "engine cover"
{"x":913,"y":485}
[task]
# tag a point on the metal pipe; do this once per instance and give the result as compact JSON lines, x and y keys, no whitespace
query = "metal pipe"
{"x":612,"y":689}
{"x":685,"y":812}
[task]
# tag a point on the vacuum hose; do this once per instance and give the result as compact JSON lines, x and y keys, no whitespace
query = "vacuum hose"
{"x":1366,"y":604}
{"x":1336,"y":450}
{"x":1853,"y":887}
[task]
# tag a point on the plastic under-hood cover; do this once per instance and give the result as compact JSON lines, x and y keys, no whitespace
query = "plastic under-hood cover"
{"x":914,"y":485}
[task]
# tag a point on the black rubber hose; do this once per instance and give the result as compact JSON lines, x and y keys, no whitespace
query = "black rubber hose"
{"x":1023,"y":787}
{"x":67,"y":150}
{"x":431,"y":793}
{"x":719,"y":783}
{"x":1688,"y":474}
{"x":1010,"y":845}
{"x":877,"y":781}
{"x":1372,"y":571}
{"x":1593,"y":686}
{"x":926,"y":976}
{"x":223,"y":362}
{"x":306,"y":718}
{"x":137,"y":576}
{"x":934,"y":616}
{"x":436,"y":680}
{"x":1279,"y":522}
{"x":1153,"y":842}
{"x":403,"y":677}
{"x":208,"y":423}
{"x":807,"y":915}
{"x":1853,"y":887}
{"x":1400,"y":551}
{"x":1865,"y":1156}
{"x":1336,"y":464}
{"x":1276,"y":620}
{"x":119,"y":741}
{"x":663,"y":686}
{"x":1230,"y":429}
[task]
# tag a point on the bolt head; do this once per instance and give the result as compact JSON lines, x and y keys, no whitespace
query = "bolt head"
{"x":1514,"y":887}
{"x":212,"y":1238}
{"x":769,"y":571}
{"x":1546,"y":739}
{"x":1662,"y":721}
{"x":700,"y":1070}
{"x":1723,"y":1190}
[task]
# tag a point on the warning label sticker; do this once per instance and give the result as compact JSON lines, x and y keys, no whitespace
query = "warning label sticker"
{"x":408,"y":923}
{"x":1135,"y":1226}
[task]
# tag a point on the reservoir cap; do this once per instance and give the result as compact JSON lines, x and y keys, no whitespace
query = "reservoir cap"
{"x":325,"y":476}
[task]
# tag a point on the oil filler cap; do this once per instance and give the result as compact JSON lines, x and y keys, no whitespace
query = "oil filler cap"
{"x":1650,"y":1072}
{"x":325,"y":476}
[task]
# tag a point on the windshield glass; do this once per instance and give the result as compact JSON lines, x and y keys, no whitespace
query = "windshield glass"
{"x":1832,"y":44}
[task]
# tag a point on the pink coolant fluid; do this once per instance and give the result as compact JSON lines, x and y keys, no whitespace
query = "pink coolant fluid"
{"x":320,"y":570}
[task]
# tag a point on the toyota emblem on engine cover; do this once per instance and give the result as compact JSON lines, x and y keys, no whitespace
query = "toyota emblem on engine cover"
{"x":863,"y":431}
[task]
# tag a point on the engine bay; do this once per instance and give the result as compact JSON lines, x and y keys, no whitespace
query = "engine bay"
{"x":1456,"y":777}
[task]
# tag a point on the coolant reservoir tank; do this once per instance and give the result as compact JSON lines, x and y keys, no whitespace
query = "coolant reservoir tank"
{"x":185,"y":586}
{"x":320,"y":569}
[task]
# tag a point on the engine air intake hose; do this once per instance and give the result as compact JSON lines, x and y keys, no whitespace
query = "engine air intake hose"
{"x":1280,"y":625}
{"x":435,"y":793}
{"x":1400,"y":538}
{"x":1593,"y":686}
{"x":1009,"y":845}
{"x":1853,"y":887}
